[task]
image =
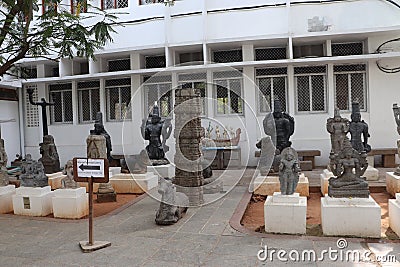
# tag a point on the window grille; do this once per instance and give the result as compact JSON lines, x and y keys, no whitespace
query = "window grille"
{"x":270,"y":53}
{"x":228,"y":95}
{"x":193,"y":57}
{"x":78,"y":6}
{"x":84,"y":67}
{"x":118,"y":97}
{"x":155,"y":61}
{"x":311,"y":88}
{"x":157,"y":79}
{"x":55,"y":72}
{"x":196,"y":81}
{"x":350,"y":85}
{"x":113,"y":4}
{"x":119,"y":64}
{"x":272,"y":82}
{"x":228,"y":56}
{"x":308,"y":51}
{"x":61,"y":96}
{"x":146,"y":2}
{"x":31,"y":111}
{"x":28,"y":73}
{"x":345,"y":49}
{"x":88,"y":100}
{"x":160,"y":92}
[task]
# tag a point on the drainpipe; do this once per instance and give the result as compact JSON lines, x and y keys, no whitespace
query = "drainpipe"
{"x":21,"y":122}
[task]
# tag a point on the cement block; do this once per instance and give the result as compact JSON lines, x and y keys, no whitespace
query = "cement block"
{"x":33,"y":201}
{"x":70,"y":203}
{"x":267,"y":185}
{"x":285,"y":214}
{"x":54,"y":179}
{"x":394,"y":214}
{"x":164,"y":171}
{"x":134,"y":183}
{"x":392,"y":183}
{"x":359,"y":217}
{"x":324,"y":180}
{"x":371,"y":174}
{"x":6,"y":193}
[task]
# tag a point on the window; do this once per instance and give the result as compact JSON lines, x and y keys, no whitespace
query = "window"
{"x":118,"y":94}
{"x":112,"y":4}
{"x":311,"y":88}
{"x":345,"y":49}
{"x":228,"y":56}
{"x":271,"y":83}
{"x":350,"y":85}
{"x":305,"y":51}
{"x":197,"y":81}
{"x":155,"y":62}
{"x":28,"y":72}
{"x":159,"y":89}
{"x":146,"y":2}
{"x":31,"y":111}
{"x":270,"y":53}
{"x":119,"y":64}
{"x":78,"y":6}
{"x":88,"y":100}
{"x":61,"y":96}
{"x":193,"y":58}
{"x":228,"y":92}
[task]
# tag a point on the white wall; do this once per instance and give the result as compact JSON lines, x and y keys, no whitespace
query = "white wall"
{"x":10,"y":130}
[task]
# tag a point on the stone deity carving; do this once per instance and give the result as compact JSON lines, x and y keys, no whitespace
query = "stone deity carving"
{"x":396,"y":112}
{"x":4,"y":179}
{"x":49,"y":159}
{"x":267,"y":154}
{"x":69,"y":182}
{"x":136,"y":163}
{"x":289,"y":171}
{"x":153,"y":129}
{"x":100,"y":130}
{"x":338,"y":127}
{"x":32,"y":173}
{"x":358,"y":130}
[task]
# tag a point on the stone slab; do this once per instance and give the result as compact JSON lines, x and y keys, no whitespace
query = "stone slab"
{"x":55,"y":180}
{"x":6,"y":193}
{"x":394,"y":214}
{"x":134,"y":183}
{"x":392,"y":183}
{"x":324,"y":180}
{"x":267,"y":185}
{"x":164,"y":171}
{"x":33,"y":201}
{"x":359,"y":217}
{"x":70,"y":203}
{"x":286,"y":217}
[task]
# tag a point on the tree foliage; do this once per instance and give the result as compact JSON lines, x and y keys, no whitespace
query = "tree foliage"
{"x":27,"y":29}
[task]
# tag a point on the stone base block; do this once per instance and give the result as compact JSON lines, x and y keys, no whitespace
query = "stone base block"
{"x":33,"y":201}
{"x":392,"y":183}
{"x":106,"y":197}
{"x":359,"y":217}
{"x":70,"y":203}
{"x":285,"y":214}
{"x":114,"y":171}
{"x":55,"y":179}
{"x":267,"y":185}
{"x":324,"y":180}
{"x":394,"y":214}
{"x":306,"y":165}
{"x":86,"y":185}
{"x":134,"y":183}
{"x":164,"y":171}
{"x":6,"y":193}
{"x":371,"y":174}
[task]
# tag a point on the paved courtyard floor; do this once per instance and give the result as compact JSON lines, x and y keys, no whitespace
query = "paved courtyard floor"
{"x":204,"y":237}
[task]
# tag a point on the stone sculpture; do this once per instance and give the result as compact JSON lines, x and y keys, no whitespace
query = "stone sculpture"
{"x":49,"y":159}
{"x":69,"y":182}
{"x":338,"y":127}
{"x":267,"y":155}
{"x":396,"y":112}
{"x":136,"y":163}
{"x":100,"y":130}
{"x":4,"y":179}
{"x":348,"y":166}
{"x":153,"y":129}
{"x":173,"y":204}
{"x":289,"y":171}
{"x":32,"y":173}
{"x":358,"y":130}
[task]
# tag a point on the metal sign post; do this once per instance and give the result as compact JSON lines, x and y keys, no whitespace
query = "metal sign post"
{"x":91,"y":171}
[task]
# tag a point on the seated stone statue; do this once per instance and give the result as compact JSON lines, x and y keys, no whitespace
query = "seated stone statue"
{"x":135,"y":163}
{"x":32,"y":173}
{"x":288,"y":171}
{"x":49,"y":159}
{"x":69,"y":182}
{"x":173,"y":204}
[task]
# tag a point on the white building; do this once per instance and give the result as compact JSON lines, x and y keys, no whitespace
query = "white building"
{"x":312,"y":55}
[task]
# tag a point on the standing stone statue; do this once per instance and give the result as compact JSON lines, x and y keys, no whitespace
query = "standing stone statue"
{"x":99,"y":146}
{"x":338,"y":127}
{"x":32,"y":173}
{"x":49,"y":159}
{"x":69,"y":182}
{"x":4,"y":179}
{"x":396,"y":112}
{"x":153,"y":129}
{"x":289,"y":171}
{"x":358,"y":130}
{"x":267,"y":155}
{"x":348,"y":166}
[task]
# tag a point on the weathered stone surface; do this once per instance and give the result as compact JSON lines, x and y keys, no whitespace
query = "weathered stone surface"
{"x":358,"y":130}
{"x":32,"y":173}
{"x":68,"y":181}
{"x":135,"y":163}
{"x":55,"y":180}
{"x":267,"y":154}
{"x":49,"y":159}
{"x":289,"y":171}
{"x":338,"y":127}
{"x":396,"y":113}
{"x":4,"y":179}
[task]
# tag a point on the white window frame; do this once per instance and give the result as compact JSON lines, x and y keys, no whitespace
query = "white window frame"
{"x":228,"y":79}
{"x":62,"y":91}
{"x":128,"y":116}
{"x":81,"y":103}
{"x":260,"y":94}
{"x":148,"y":107}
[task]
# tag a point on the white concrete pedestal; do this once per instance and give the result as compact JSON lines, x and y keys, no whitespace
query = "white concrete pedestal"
{"x":134,"y":183}
{"x":285,"y":214}
{"x":114,"y":171}
{"x":33,"y":201}
{"x":371,"y":174}
{"x":70,"y":203}
{"x":359,"y":217}
{"x":392,"y":183}
{"x":324,"y":180}
{"x":55,"y":179}
{"x":267,"y":185}
{"x":164,"y":171}
{"x":6,"y":193}
{"x":394,"y":214}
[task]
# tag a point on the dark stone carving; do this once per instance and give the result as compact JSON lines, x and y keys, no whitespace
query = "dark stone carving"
{"x":153,"y":129}
{"x":338,"y":127}
{"x":100,"y":130}
{"x":49,"y":159}
{"x":135,"y":163}
{"x":32,"y":173}
{"x":396,"y":112}
{"x":289,"y":171}
{"x":358,"y":130}
{"x":173,"y":204}
{"x":267,"y":155}
{"x":69,"y":182}
{"x":43,"y":104}
{"x":4,"y":179}
{"x":348,"y":183}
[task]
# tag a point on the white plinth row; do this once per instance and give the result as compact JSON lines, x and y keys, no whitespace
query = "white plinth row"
{"x":268,"y":185}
